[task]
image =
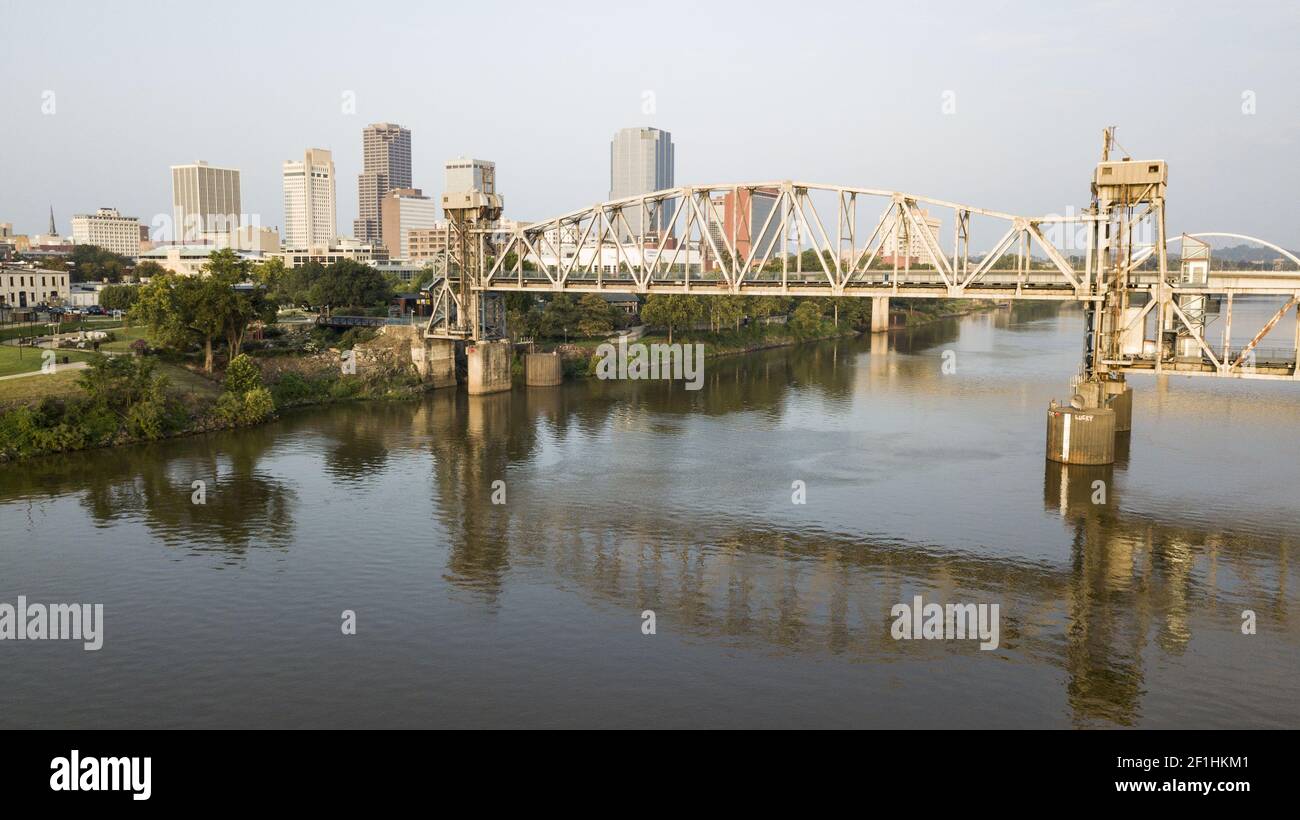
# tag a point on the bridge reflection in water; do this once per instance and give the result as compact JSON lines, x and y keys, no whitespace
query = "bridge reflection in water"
{"x":629,"y":496}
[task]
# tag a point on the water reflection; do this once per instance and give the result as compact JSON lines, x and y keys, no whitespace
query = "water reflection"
{"x":635,"y":495}
{"x":242,"y":507}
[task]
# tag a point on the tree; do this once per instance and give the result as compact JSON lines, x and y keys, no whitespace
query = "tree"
{"x":671,"y":311}
{"x":237,"y":307}
{"x":128,"y":388}
{"x":560,"y":316}
{"x":807,"y":320}
{"x":91,"y":263}
{"x":726,"y":311}
{"x":148,"y":269}
{"x":348,"y":283}
{"x":242,"y":375}
{"x":595,"y":315}
{"x":118,"y":297}
{"x":184,"y":310}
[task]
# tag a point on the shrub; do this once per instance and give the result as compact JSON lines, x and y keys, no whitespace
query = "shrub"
{"x":240,"y":410}
{"x":242,"y":375}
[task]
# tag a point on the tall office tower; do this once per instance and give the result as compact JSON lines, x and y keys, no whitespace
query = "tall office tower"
{"x":405,"y":210}
{"x":641,"y":161}
{"x":387,"y":165}
{"x":205,"y":202}
{"x":309,"y":201}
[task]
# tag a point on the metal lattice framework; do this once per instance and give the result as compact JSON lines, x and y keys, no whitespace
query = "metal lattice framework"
{"x":755,"y":238}
{"x":801,"y":239}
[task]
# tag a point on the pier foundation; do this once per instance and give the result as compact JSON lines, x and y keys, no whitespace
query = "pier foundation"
{"x":435,"y":360}
{"x":1119,"y":397}
{"x":488,"y":367}
{"x":542,"y":369}
{"x":879,"y":313}
{"x":1083,"y":431}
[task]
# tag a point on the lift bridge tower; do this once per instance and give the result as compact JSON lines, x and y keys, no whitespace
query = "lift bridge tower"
{"x":465,"y":335}
{"x":461,"y":311}
{"x":1126,"y":232}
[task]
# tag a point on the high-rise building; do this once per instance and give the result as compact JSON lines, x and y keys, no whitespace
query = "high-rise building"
{"x":641,"y":161}
{"x":904,"y":243}
{"x":108,"y":229}
{"x":309,"y":210}
{"x":402,"y":211}
{"x":741,"y":216}
{"x":205,"y":201}
{"x":386,"y":156}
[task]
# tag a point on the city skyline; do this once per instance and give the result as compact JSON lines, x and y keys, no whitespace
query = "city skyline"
{"x":1013,"y":137}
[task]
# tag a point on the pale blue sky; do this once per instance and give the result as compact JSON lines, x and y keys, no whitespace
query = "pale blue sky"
{"x":824,"y":92}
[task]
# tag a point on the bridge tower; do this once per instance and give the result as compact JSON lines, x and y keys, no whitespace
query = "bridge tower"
{"x":463,"y":313}
{"x":1126,"y":233}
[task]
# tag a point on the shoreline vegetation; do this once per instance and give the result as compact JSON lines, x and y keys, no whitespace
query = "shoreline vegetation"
{"x":127,"y":399}
{"x":126,"y":394}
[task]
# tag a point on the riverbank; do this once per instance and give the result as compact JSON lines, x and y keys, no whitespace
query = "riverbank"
{"x":40,"y":415}
{"x":70,"y":410}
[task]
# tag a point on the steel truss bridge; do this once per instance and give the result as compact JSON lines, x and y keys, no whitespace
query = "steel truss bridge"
{"x":754,"y":239}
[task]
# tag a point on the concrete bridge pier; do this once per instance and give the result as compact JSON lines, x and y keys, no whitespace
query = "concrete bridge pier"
{"x":542,"y":369}
{"x":435,"y":360}
{"x":1083,"y":431}
{"x":1119,"y":397}
{"x":488,"y":367}
{"x":879,"y":313}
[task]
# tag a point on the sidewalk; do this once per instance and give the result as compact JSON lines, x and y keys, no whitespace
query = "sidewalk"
{"x":58,"y":369}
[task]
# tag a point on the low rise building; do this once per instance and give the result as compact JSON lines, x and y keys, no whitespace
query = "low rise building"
{"x":22,"y":287}
{"x":340,"y":250}
{"x":188,"y":260}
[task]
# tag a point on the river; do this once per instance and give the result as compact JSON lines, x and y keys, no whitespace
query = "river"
{"x":622,"y":497}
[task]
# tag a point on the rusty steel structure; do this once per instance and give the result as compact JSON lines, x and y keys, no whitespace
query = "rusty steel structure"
{"x":790,"y":238}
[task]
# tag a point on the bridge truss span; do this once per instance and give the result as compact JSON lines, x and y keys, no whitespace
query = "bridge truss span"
{"x":798,"y":239}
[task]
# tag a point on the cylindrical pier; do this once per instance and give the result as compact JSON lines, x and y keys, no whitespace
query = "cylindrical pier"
{"x":542,"y":369}
{"x":1080,"y":436}
{"x":1119,"y":397}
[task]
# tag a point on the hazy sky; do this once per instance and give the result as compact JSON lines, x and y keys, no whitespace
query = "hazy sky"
{"x":846,"y":93}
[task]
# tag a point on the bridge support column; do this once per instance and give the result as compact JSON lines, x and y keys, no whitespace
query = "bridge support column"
{"x":435,"y":360}
{"x":488,"y":367}
{"x":879,"y":313}
{"x":542,"y":369}
{"x":1083,"y":431}
{"x":1119,"y":397}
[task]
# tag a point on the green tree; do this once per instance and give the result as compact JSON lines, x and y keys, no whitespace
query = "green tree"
{"x":180,"y":311}
{"x":350,"y":284}
{"x":807,"y":322}
{"x":595,"y":315}
{"x":236,"y":307}
{"x":560,"y":316}
{"x":726,"y":311}
{"x":242,"y":375}
{"x":128,"y":388}
{"x":118,"y":297}
{"x":91,"y":263}
{"x":148,"y":269}
{"x":671,"y":311}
